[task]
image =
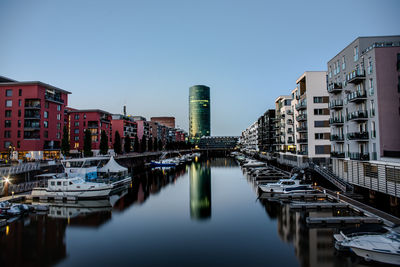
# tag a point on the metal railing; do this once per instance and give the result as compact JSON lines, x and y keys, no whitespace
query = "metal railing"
{"x":20,"y":168}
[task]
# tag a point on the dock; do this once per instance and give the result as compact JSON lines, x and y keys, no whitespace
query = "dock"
{"x":52,"y":198}
{"x":318,"y":206}
{"x":327,"y":221}
{"x":295,"y":196}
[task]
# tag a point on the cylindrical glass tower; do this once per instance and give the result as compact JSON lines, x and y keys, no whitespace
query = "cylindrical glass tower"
{"x":199,"y":112}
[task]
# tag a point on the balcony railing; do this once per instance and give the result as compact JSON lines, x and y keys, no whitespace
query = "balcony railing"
{"x":290,"y":122}
{"x":302,"y":152}
{"x":357,"y":115}
{"x":32,"y":106}
{"x":289,"y":112}
{"x":336,"y":104}
{"x":301,"y":129}
{"x":335,"y":154}
{"x":334,"y":88}
{"x":336,"y":120}
{"x":301,"y":117}
{"x":358,"y":136}
{"x":290,"y":142}
{"x":54,"y":98}
{"x":357,"y":96}
{"x":301,"y":105}
{"x":358,"y":156}
{"x":337,"y":137}
{"x":356,"y":76}
{"x":302,"y":140}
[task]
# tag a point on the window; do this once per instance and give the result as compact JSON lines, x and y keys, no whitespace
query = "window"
{"x":76,"y":138}
{"x":318,"y":111}
{"x":19,"y":134}
{"x":46,"y":124}
{"x":58,"y":183}
{"x":7,"y":144}
{"x":46,"y":104}
{"x":58,"y":107}
{"x":58,"y":116}
{"x":369,"y":65}
{"x":46,"y":134}
{"x":18,"y":144}
{"x":7,"y":134}
{"x":319,"y":136}
{"x":76,"y":117}
{"x":9,"y":92}
{"x":8,"y":113}
{"x":19,"y":103}
{"x":58,"y":126}
{"x":7,"y":124}
{"x":84,"y":116}
{"x":326,"y":149}
{"x":371,"y":87}
{"x":318,"y":99}
{"x":20,"y":92}
{"x":343,"y":62}
{"x":19,"y":123}
{"x":321,"y":123}
{"x":330,"y":72}
{"x":19,"y":113}
{"x":53,"y":183}
{"x":46,"y":114}
{"x":76,"y":131}
{"x":355,"y":53}
{"x":77,"y":123}
{"x":58,"y":135}
{"x":8,"y":103}
{"x":398,"y":62}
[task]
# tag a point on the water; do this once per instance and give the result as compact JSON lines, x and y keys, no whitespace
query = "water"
{"x":206,"y":214}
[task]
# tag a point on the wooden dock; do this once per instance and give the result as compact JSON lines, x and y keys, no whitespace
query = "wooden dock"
{"x":318,"y":205}
{"x":327,"y":221}
{"x":295,"y":196}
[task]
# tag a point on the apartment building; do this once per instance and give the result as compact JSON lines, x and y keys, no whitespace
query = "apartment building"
{"x":312,"y":117}
{"x":364,"y":90}
{"x":266,"y":131}
{"x":283,"y":131}
{"x":94,"y":120}
{"x":32,"y":118}
{"x":249,"y":138}
{"x":124,"y":125}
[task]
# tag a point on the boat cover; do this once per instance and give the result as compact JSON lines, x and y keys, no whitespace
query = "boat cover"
{"x":112,"y":166}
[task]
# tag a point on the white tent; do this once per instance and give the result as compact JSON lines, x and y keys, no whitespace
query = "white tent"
{"x":112,"y":167}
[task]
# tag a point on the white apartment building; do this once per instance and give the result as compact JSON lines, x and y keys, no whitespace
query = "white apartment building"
{"x":283,"y":126}
{"x":249,"y":138}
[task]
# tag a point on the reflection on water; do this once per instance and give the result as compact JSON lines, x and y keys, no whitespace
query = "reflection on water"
{"x":200,"y":191}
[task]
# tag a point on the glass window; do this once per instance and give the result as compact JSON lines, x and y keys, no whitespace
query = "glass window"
{"x":58,"y":116}
{"x":77,"y":117}
{"x":19,"y":123}
{"x":19,"y":103}
{"x":58,"y":126}
{"x":355,"y":53}
{"x":53,"y":183}
{"x":9,"y":92}
{"x":59,"y":107}
{"x":7,"y":124}
{"x":46,"y":114}
{"x":46,"y":104}
{"x":319,"y":136}
{"x":58,"y":183}
{"x":318,"y":99}
{"x":46,"y":134}
{"x":77,"y":123}
{"x":8,"y":103}
{"x":19,"y":134}
{"x":58,"y":135}
{"x":7,"y":144}
{"x":20,"y":92}
{"x":8,"y":113}
{"x":76,"y":138}
{"x":343,"y":62}
{"x":76,"y":131}
{"x":7,"y":134}
{"x":46,"y":124}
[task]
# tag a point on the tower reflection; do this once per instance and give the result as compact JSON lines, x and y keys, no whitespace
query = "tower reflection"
{"x":200,"y":191}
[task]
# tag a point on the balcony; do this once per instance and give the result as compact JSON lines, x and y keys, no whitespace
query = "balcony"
{"x":337,"y":138}
{"x":301,"y":105}
{"x":340,"y":155}
{"x":334,"y":88}
{"x":359,"y":136}
{"x":301,"y":117}
{"x":302,"y":141}
{"x":302,"y":153}
{"x":32,"y":106}
{"x":358,"y":156}
{"x":289,"y":122}
{"x":336,"y":121}
{"x":358,"y":115}
{"x":54,"y":98}
{"x":289,"y":112}
{"x":357,"y":96}
{"x":356,"y":76}
{"x":290,"y":142}
{"x":301,"y":129}
{"x":336,"y":104}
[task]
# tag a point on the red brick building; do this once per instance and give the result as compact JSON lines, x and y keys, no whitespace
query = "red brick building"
{"x":125,"y":127}
{"x":96,"y":121}
{"x":31,"y":119}
{"x":166,"y":121}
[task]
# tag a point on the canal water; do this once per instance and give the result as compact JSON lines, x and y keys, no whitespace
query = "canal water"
{"x":204,"y":214}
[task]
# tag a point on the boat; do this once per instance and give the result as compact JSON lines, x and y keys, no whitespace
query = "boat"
{"x":73,"y":187}
{"x":383,"y":248}
{"x":254,"y":163}
{"x":163,"y":163}
{"x":284,"y":184}
{"x":114,"y":174}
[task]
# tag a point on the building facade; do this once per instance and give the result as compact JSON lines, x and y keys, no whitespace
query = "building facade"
{"x":249,"y":138}
{"x":266,"y":131}
{"x":166,"y":121}
{"x":94,"y":120}
{"x":283,"y":131}
{"x":32,"y":116}
{"x":199,"y":112}
{"x":364,"y":89}
{"x":125,"y":126}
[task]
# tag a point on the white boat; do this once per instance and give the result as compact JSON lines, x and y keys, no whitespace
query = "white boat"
{"x":254,"y":163}
{"x":73,"y":187}
{"x":114,"y":174}
{"x":284,"y":185}
{"x":384,"y":248}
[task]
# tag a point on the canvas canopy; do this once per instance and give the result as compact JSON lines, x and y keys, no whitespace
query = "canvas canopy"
{"x":112,"y":166}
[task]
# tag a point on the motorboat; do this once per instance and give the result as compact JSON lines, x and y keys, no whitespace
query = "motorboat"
{"x":164,"y":163}
{"x":284,"y":184}
{"x":254,"y":163}
{"x":73,"y":187}
{"x":383,"y":248}
{"x":114,"y":174}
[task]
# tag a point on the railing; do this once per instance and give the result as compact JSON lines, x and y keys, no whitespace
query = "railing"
{"x":358,"y":136}
{"x":301,"y":105}
{"x":355,"y":76}
{"x":336,"y":104}
{"x":335,"y":154}
{"x":356,"y":115}
{"x":302,"y":140}
{"x":336,"y":120}
{"x":290,"y":122}
{"x":301,"y":117}
{"x":331,"y":177}
{"x":357,"y":96}
{"x":34,"y":106}
{"x":301,"y":129}
{"x":302,"y":152}
{"x":337,"y":137}
{"x":358,"y":156}
{"x":20,"y":168}
{"x":53,"y":98}
{"x":334,"y":87}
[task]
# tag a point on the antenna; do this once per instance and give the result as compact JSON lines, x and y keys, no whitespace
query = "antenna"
{"x":124,"y":110}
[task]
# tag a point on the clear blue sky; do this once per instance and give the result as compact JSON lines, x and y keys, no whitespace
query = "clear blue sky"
{"x":146,"y":54}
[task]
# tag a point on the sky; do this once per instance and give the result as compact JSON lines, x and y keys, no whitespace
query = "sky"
{"x":146,"y":54}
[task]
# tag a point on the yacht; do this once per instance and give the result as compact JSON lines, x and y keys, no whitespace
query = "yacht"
{"x":72,"y":187}
{"x":384,"y":248}
{"x":285,"y":186}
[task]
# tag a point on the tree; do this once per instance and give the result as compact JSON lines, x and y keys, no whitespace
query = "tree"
{"x":127,"y":144}
{"x":150,"y":144}
{"x":103,"y":143}
{"x":136,"y":146}
{"x":65,"y":146}
{"x":117,"y":143}
{"x":87,"y":144}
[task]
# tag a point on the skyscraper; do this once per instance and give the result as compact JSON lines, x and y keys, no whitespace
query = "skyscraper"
{"x":199,"y":112}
